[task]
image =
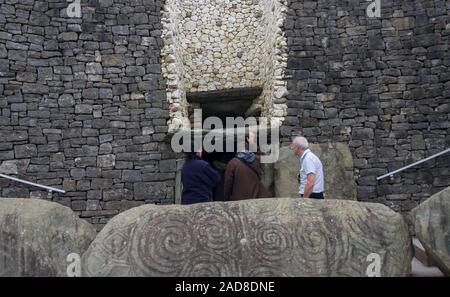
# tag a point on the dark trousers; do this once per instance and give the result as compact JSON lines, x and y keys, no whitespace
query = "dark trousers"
{"x":315,"y":195}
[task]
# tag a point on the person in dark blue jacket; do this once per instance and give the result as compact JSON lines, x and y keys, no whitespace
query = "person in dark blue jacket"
{"x":199,"y":179}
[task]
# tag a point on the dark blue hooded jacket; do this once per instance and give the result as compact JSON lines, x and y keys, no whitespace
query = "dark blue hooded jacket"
{"x":199,"y":180}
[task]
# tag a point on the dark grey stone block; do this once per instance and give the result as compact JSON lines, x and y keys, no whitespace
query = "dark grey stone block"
{"x":25,"y":151}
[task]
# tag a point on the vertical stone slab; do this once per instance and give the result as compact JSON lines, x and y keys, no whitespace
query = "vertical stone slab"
{"x":338,"y":172}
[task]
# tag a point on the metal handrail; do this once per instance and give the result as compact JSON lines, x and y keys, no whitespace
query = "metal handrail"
{"x":50,"y":189}
{"x":413,"y":164}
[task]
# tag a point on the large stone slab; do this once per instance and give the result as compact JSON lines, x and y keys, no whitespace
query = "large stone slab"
{"x":262,"y":237}
{"x":282,"y":177}
{"x":36,"y":236}
{"x":432,"y":227}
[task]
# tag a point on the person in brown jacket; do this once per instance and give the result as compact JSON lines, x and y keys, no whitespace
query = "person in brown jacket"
{"x":242,"y":176}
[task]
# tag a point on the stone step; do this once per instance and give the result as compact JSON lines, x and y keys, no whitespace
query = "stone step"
{"x":421,"y":254}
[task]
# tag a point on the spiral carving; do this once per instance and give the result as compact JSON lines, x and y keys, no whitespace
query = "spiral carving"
{"x":271,"y":241}
{"x":210,"y":265}
{"x":116,"y":244}
{"x":251,"y":238}
{"x":322,"y":245}
{"x":217,"y":229}
{"x":162,"y":242}
{"x":266,"y":271}
{"x":313,"y":240}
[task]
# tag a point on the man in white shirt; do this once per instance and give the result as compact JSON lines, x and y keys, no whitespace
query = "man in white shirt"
{"x":311,"y":170}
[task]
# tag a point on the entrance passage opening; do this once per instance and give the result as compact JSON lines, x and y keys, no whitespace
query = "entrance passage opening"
{"x":222,"y":104}
{"x":225,"y":103}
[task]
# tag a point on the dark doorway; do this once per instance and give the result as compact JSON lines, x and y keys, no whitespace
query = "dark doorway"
{"x":222,"y":104}
{"x":225,"y":103}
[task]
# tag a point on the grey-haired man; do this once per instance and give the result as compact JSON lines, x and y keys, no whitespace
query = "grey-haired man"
{"x":311,"y":170}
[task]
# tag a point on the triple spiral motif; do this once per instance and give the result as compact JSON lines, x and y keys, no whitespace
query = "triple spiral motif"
{"x":241,"y":239}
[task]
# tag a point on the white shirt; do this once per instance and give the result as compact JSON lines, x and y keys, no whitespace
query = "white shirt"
{"x":310,"y":163}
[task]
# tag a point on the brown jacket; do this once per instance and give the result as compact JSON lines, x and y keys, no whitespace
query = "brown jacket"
{"x":241,"y":182}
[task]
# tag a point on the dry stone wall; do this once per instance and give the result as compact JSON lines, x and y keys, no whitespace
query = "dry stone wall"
{"x":83,"y":105}
{"x":337,"y":164}
{"x":379,"y":84}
